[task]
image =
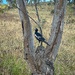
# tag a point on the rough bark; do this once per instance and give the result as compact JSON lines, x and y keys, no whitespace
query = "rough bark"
{"x":41,"y":61}
{"x":57,"y":29}
{"x":50,"y":53}
{"x":27,"y":32}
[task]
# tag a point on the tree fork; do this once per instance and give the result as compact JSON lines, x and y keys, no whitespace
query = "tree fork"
{"x":42,"y":60}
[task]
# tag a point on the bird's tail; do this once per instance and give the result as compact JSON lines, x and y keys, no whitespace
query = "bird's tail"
{"x":46,"y":43}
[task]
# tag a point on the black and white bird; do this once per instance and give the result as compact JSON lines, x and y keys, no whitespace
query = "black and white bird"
{"x":39,"y":37}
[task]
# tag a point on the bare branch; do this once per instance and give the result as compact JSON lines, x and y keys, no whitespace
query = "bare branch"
{"x":38,"y":18}
{"x":28,"y":15}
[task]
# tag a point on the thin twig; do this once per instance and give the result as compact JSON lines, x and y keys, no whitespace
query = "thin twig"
{"x":33,"y":19}
{"x":29,"y":16}
{"x":38,"y":18}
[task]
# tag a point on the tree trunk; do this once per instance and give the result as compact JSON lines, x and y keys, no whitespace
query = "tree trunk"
{"x":27,"y":32}
{"x":57,"y":29}
{"x":41,"y":61}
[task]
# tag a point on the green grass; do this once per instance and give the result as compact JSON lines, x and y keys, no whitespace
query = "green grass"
{"x":11,"y":41}
{"x":11,"y":65}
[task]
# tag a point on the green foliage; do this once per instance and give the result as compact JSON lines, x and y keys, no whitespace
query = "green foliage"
{"x":3,"y":8}
{"x":52,"y":11}
{"x":49,"y":3}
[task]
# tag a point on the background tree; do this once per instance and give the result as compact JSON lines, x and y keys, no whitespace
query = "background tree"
{"x":12,"y":3}
{"x":54,"y":1}
{"x":69,"y":0}
{"x":42,"y":59}
{"x":74,"y":2}
{"x":0,"y":1}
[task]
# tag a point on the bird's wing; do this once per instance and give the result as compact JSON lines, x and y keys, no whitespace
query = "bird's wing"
{"x":37,"y":36}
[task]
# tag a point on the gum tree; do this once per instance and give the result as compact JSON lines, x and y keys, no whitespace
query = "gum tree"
{"x":42,"y":59}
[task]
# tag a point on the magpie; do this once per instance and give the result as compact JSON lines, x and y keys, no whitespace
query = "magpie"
{"x":39,"y":37}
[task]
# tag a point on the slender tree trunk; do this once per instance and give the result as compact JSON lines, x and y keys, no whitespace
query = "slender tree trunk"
{"x":41,"y":61}
{"x":57,"y":29}
{"x":27,"y":32}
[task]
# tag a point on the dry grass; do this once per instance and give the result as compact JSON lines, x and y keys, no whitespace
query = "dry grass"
{"x":11,"y":38}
